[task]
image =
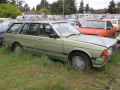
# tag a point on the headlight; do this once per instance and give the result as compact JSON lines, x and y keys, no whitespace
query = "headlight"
{"x":110,"y":51}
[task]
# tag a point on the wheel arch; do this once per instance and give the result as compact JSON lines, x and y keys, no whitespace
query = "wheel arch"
{"x":14,"y":44}
{"x":74,"y":51}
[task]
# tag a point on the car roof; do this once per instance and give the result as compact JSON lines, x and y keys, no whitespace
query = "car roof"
{"x":41,"y":21}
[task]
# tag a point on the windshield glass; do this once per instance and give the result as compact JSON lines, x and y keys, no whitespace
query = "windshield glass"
{"x":113,"y":21}
{"x":65,"y":29}
{"x":94,"y":24}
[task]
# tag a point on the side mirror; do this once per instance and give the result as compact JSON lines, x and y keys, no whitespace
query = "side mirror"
{"x":53,"y":36}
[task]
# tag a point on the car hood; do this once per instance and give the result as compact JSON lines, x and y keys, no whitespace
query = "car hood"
{"x":97,"y":40}
{"x":92,"y":31}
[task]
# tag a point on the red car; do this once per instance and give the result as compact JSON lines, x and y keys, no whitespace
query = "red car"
{"x":102,"y":28}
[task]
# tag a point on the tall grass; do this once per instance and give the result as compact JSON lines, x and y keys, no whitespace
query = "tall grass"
{"x":24,"y":71}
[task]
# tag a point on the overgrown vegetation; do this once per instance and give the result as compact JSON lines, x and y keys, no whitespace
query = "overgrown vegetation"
{"x":9,"y":11}
{"x":26,"y":72}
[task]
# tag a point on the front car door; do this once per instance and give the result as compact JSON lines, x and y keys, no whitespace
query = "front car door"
{"x":53,"y":47}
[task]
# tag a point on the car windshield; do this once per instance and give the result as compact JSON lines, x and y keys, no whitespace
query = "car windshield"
{"x":94,"y":24}
{"x":65,"y":29}
{"x":113,"y":21}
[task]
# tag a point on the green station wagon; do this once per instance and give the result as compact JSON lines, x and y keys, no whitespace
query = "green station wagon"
{"x":60,"y":40}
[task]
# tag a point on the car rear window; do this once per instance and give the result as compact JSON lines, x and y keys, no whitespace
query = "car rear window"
{"x":14,"y":28}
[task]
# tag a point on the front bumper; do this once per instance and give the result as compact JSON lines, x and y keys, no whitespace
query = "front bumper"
{"x":100,"y":62}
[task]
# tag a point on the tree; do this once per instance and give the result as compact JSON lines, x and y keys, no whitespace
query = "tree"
{"x":26,"y":7}
{"x":33,"y":9}
{"x":44,"y":11}
{"x":57,"y":7}
{"x":9,"y":11}
{"x":81,"y":8}
{"x":3,"y":1}
{"x":87,"y":8}
{"x":101,"y":11}
{"x":43,"y":4}
{"x":70,"y":7}
{"x":112,"y":7}
{"x":118,"y":7}
{"x":20,"y":5}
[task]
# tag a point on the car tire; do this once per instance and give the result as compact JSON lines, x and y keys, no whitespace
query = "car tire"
{"x":17,"y":48}
{"x":81,"y":61}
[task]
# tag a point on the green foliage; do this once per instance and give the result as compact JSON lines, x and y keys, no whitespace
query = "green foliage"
{"x":69,"y":7}
{"x":9,"y":11}
{"x":81,"y":8}
{"x":87,"y":8}
{"x":101,"y":11}
{"x":26,"y":72}
{"x":43,"y":4}
{"x":112,"y":7}
{"x":57,"y":7}
{"x":118,"y":7}
{"x":44,"y":10}
{"x":3,"y":1}
{"x":26,"y":7}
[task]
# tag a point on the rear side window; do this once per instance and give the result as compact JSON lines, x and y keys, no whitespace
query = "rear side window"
{"x":30,"y":29}
{"x":14,"y":28}
{"x":109,"y":25}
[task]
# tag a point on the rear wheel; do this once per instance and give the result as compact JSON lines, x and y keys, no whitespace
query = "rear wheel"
{"x":80,"y":61}
{"x":17,"y":47}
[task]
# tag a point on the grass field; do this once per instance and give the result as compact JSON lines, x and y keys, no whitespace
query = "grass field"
{"x":26,"y":72}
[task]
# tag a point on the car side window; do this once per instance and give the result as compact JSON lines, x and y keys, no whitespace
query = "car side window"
{"x":14,"y":28}
{"x":30,"y":29}
{"x":109,"y":25}
{"x":25,"y":28}
{"x":45,"y":30}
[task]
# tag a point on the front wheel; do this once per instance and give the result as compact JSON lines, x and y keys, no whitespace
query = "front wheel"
{"x":80,"y":61}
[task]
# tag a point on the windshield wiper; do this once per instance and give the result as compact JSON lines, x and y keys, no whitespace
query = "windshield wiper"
{"x":72,"y":35}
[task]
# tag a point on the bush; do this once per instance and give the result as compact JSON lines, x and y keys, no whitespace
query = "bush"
{"x":9,"y":11}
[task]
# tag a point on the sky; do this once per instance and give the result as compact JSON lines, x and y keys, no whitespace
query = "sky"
{"x":95,"y":4}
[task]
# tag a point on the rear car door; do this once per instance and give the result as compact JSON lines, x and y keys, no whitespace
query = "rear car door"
{"x":29,"y":36}
{"x":12,"y":35}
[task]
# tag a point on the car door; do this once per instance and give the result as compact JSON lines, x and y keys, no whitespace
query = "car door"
{"x":50,"y":46}
{"x":11,"y":34}
{"x":29,"y":36}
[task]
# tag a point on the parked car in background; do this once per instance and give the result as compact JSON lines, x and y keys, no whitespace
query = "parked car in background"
{"x":115,"y":23}
{"x":74,"y":22}
{"x":102,"y":28}
{"x":60,"y":40}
